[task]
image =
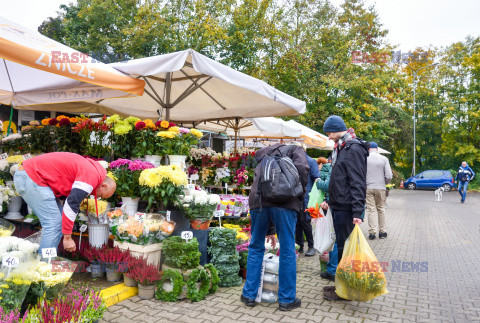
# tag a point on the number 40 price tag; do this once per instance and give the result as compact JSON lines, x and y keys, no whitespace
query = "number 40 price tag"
{"x":187,"y":235}
{"x":49,"y":253}
{"x":10,"y":262}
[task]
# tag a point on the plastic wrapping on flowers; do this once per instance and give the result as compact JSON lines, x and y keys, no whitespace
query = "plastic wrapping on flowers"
{"x":6,"y":228}
{"x":199,"y":205}
{"x":153,"y":228}
{"x":12,"y":292}
{"x":223,"y":243}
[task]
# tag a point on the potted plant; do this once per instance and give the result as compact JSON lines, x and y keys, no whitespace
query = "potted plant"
{"x":126,"y":173}
{"x":113,"y":260}
{"x":243,"y":254}
{"x":198,"y":206}
{"x":93,"y":256}
{"x":145,"y":142}
{"x":131,"y":264}
{"x":161,"y":187}
{"x":146,"y":277}
{"x":123,"y":135}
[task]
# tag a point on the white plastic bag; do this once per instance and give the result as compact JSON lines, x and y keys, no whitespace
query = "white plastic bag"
{"x":323,"y":233}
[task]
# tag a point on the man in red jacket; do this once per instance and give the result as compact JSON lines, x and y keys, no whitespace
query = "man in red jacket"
{"x":42,"y":180}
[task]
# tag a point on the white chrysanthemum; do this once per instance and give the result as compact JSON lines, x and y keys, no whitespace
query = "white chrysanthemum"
{"x":213,"y":199}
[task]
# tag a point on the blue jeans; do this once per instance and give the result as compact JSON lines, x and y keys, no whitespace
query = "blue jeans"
{"x":332,"y":260}
{"x":45,"y":205}
{"x":462,"y":189}
{"x":284,"y":221}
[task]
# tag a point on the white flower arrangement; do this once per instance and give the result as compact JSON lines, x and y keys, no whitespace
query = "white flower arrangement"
{"x":221,"y":173}
{"x":22,"y":249}
{"x":198,"y":204}
{"x":12,"y":137}
{"x":198,"y":153}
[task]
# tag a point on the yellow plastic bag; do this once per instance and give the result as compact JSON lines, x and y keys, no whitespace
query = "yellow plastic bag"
{"x":359,"y":275}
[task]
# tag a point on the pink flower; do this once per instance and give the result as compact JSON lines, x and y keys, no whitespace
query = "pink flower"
{"x":183,"y":130}
{"x":120,"y":162}
{"x":139,"y":165}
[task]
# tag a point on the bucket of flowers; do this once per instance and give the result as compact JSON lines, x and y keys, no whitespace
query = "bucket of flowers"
{"x":199,"y":206}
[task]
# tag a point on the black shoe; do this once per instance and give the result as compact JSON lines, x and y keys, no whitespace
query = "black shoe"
{"x":382,"y":235}
{"x":463,"y":201}
{"x":329,"y":288}
{"x":300,"y":250}
{"x":371,"y":236}
{"x":290,"y":306}
{"x":328,"y":276}
{"x":247,"y":301}
{"x":331,"y":295}
{"x":310,"y":252}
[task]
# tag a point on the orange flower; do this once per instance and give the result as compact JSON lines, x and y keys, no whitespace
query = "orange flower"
{"x":45,"y":121}
{"x":73,"y":120}
{"x":149,"y":124}
{"x":60,"y":117}
{"x":164,"y":124}
{"x":314,"y":211}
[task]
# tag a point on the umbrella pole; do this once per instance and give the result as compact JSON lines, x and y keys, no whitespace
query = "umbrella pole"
{"x":10,"y":122}
{"x":235,"y":146}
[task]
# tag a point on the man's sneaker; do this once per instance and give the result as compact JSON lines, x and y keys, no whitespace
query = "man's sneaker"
{"x":248,"y":301}
{"x":328,"y":288}
{"x":382,"y":235}
{"x":300,"y":250}
{"x":310,"y":252}
{"x":463,"y":201}
{"x":328,"y":276}
{"x":290,"y":306}
{"x":331,"y":295}
{"x":371,"y":236}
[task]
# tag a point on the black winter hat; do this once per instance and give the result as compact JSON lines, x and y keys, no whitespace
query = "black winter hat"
{"x":334,"y":124}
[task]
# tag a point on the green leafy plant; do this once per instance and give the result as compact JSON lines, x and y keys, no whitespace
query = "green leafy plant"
{"x":176,"y":279}
{"x":194,"y":293}
{"x":225,"y":256}
{"x":214,"y":280}
{"x":180,"y":254}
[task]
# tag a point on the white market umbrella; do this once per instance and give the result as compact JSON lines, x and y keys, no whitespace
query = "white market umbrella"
{"x":37,"y":70}
{"x":187,"y":86}
{"x":310,"y":137}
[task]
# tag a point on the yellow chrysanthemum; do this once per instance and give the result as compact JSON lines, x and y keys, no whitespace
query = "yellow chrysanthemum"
{"x":153,"y":177}
{"x":196,"y":133}
{"x":174,"y":129}
{"x":132,"y":120}
{"x":15,"y":159}
{"x":110,"y":174}
{"x":112,"y":119}
{"x":166,"y":134}
{"x":4,"y":286}
{"x":164,"y":124}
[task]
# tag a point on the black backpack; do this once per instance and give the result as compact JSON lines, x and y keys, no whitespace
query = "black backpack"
{"x":279,"y":178}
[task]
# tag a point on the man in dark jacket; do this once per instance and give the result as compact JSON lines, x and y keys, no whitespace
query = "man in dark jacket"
{"x":284,"y":217}
{"x":464,"y":176}
{"x":304,"y":224}
{"x":348,"y":187}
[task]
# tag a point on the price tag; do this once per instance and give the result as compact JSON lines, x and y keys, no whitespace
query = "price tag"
{"x":194,"y":177}
{"x":187,"y":235}
{"x":168,"y":216}
{"x":27,"y":156}
{"x":218,"y":214}
{"x":49,"y":253}
{"x":140,"y":216}
{"x":191,"y":187}
{"x":83,"y":228}
{"x":3,"y":156}
{"x":10,"y":262}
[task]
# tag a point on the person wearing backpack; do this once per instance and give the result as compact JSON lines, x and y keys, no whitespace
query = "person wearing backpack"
{"x":464,"y":176}
{"x":348,"y":186}
{"x":276,"y":196}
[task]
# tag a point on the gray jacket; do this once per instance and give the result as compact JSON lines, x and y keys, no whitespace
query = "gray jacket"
{"x":379,"y":172}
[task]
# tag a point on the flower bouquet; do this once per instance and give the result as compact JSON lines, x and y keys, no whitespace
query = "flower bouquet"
{"x":88,"y":210}
{"x":15,"y":247}
{"x":150,"y":230}
{"x":12,"y":292}
{"x":126,"y":173}
{"x":198,"y":206}
{"x":162,"y":186}
{"x":6,"y":229}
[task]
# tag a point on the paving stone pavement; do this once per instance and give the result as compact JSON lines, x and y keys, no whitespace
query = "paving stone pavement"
{"x":444,"y":234}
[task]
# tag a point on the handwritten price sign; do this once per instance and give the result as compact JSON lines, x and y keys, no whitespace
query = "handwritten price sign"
{"x":3,"y":156}
{"x":10,"y":262}
{"x":140,"y":216}
{"x":218,"y":214}
{"x":49,"y":253}
{"x":187,"y":235}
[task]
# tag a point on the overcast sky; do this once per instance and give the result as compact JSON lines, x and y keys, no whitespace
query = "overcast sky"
{"x":411,"y":23}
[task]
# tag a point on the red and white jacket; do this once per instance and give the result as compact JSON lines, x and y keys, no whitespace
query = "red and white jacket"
{"x":67,"y":174}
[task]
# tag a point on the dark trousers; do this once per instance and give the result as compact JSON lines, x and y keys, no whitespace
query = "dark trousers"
{"x":303,"y":225}
{"x":343,"y":224}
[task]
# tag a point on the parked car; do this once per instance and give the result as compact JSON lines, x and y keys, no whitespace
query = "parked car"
{"x":431,"y":179}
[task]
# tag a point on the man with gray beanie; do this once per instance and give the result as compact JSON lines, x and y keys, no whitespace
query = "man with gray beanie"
{"x":348,"y":187}
{"x":379,"y":174}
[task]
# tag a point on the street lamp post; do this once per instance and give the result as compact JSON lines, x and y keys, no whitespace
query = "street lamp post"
{"x":414,"y":73}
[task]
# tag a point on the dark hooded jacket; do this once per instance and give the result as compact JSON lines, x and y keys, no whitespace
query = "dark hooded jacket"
{"x":299,"y":158}
{"x":348,"y":187}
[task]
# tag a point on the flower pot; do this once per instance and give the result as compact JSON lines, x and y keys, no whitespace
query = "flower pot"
{"x":113,"y":276}
{"x":96,"y":270}
{"x":154,"y":159}
{"x":200,"y":224}
{"x":178,"y":160}
{"x":131,"y":205}
{"x":243,"y":273}
{"x":14,"y":208}
{"x":98,"y":234}
{"x":127,"y":281}
{"x":146,"y":292}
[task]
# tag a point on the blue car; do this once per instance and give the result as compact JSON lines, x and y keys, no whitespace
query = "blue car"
{"x":431,"y":179}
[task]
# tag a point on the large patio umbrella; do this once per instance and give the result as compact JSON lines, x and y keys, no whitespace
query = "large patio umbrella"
{"x":37,"y":70}
{"x":188,"y":86}
{"x":267,"y":127}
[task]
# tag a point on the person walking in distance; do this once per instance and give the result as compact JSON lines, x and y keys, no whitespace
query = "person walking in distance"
{"x":347,"y":188}
{"x":464,"y":176}
{"x":379,"y":174}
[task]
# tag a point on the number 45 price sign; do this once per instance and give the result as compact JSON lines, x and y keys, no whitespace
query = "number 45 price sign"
{"x":187,"y":235}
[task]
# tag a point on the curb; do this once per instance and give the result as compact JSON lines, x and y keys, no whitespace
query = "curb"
{"x":118,"y":293}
